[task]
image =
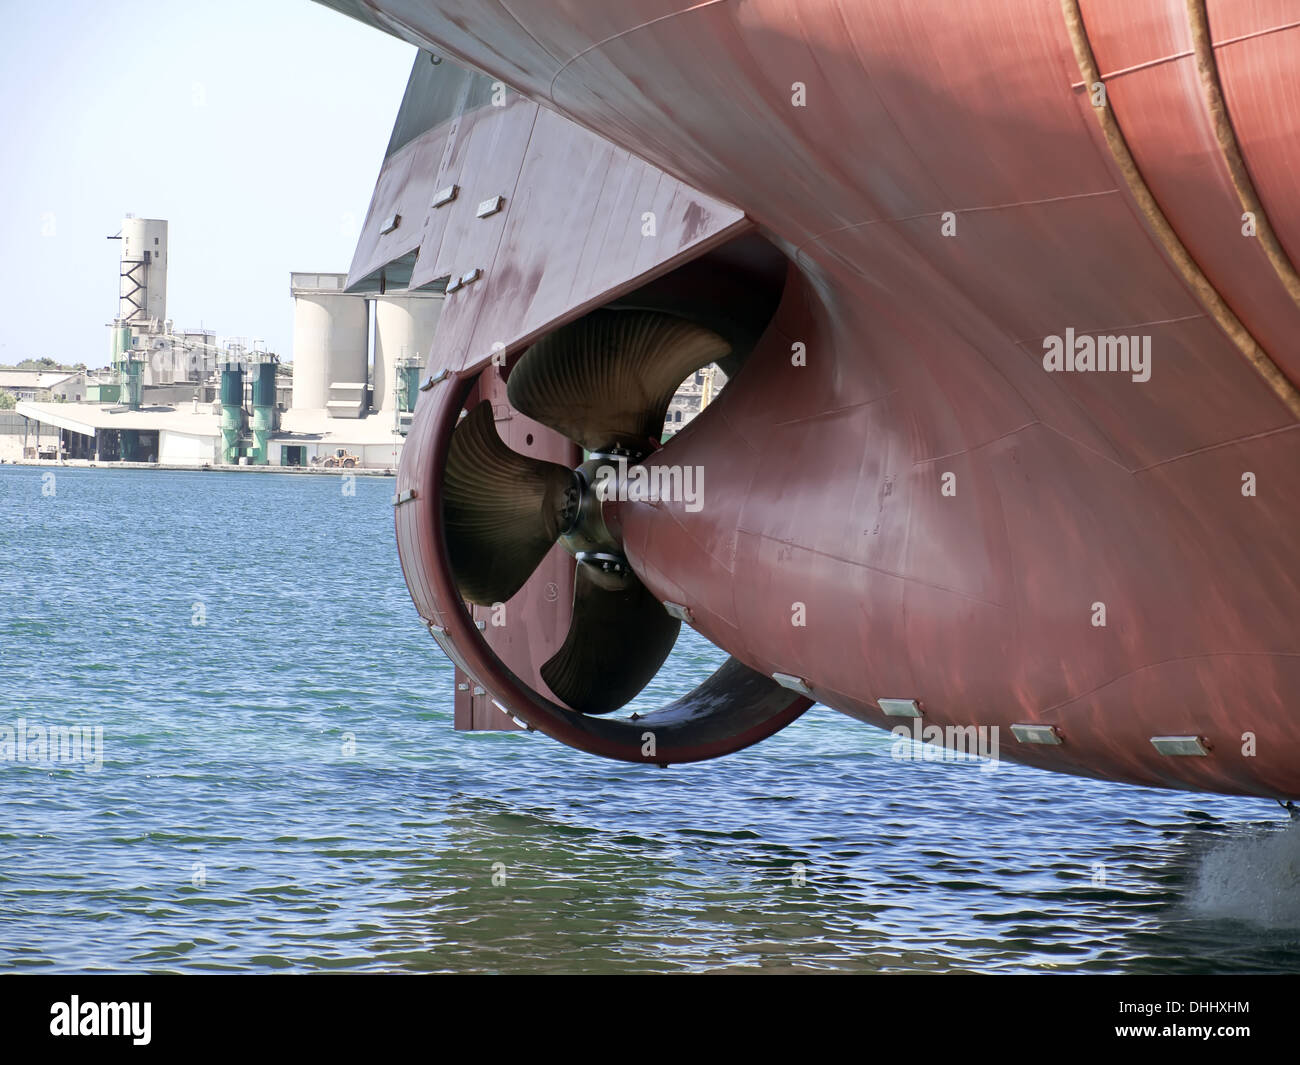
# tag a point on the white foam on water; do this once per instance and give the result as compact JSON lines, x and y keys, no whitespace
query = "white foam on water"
{"x":1255,"y":879}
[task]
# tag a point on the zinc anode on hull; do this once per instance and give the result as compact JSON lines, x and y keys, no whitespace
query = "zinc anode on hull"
{"x":924,"y":358}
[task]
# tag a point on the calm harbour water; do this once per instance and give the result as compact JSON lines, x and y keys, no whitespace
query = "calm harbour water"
{"x":281,"y":789}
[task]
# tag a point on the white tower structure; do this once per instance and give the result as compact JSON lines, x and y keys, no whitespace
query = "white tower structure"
{"x":143,"y":293}
{"x":331,"y":340}
{"x":404,"y":328}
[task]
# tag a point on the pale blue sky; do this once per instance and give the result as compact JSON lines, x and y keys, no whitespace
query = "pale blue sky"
{"x":255,"y":127}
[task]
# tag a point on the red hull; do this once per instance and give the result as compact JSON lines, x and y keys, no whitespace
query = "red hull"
{"x":948,"y":198}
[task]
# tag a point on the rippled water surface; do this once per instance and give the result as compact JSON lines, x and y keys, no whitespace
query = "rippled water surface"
{"x":281,"y":789}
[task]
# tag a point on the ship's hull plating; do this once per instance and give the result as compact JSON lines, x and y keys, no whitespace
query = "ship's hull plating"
{"x":902,"y":500}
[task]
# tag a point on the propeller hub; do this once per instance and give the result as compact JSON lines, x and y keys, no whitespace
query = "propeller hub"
{"x":587,"y":536}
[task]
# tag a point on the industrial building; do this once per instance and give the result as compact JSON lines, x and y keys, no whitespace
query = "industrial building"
{"x":46,"y":385}
{"x":695,"y":393}
{"x":184,"y":397}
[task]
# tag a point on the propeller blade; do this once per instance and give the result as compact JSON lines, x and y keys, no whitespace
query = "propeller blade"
{"x":502,"y":511}
{"x":616,"y":643}
{"x":607,"y":379}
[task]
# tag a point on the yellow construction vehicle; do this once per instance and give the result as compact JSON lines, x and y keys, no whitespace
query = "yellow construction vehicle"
{"x":341,"y":457}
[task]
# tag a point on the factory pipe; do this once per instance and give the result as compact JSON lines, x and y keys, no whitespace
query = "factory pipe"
{"x":263,"y":411}
{"x":232,"y":411}
{"x":408,"y":384}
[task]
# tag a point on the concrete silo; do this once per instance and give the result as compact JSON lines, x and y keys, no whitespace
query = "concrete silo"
{"x":141,"y":307}
{"x":143,"y":293}
{"x":404,"y":328}
{"x":331,"y":340}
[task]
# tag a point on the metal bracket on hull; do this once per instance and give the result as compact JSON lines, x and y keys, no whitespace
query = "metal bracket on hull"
{"x":795,"y":684}
{"x":681,"y":613}
{"x":899,"y":707}
{"x":1181,"y":746}
{"x":1046,"y":734}
{"x":433,"y":379}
